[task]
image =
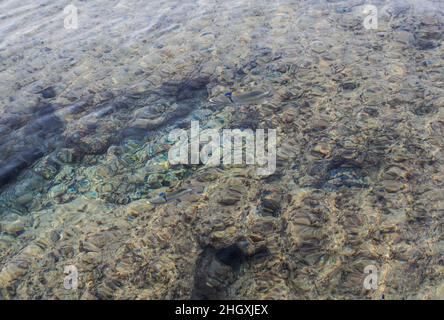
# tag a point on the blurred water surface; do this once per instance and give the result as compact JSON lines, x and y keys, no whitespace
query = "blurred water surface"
{"x":85,"y":112}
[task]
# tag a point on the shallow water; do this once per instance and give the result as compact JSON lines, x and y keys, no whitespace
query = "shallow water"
{"x":85,"y":178}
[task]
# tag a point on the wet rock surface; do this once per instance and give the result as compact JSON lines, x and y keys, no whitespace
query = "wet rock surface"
{"x":85,"y":178}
